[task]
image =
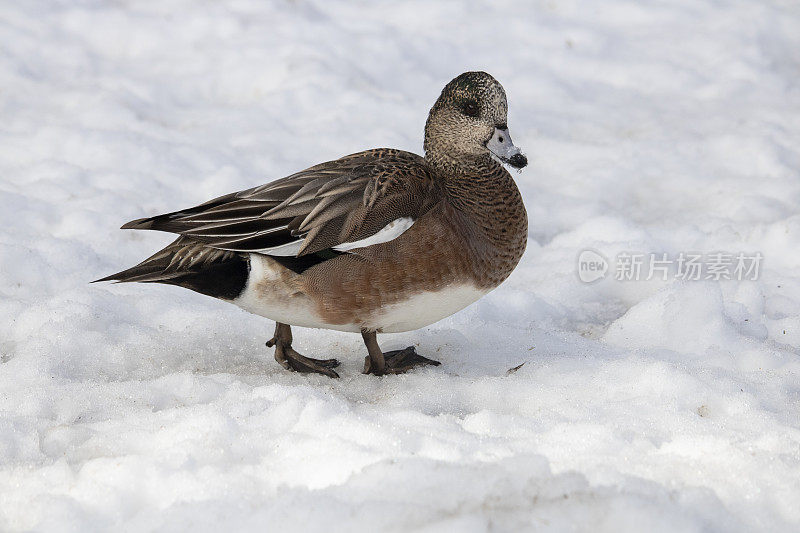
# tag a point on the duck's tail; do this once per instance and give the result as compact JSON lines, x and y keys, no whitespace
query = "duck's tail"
{"x":192,"y":265}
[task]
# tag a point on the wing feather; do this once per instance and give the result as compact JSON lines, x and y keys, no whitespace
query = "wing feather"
{"x":319,"y":208}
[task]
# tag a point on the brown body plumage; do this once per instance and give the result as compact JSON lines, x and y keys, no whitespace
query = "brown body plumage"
{"x":450,"y":224}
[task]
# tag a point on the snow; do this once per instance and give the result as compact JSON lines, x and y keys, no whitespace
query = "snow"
{"x":650,"y":126}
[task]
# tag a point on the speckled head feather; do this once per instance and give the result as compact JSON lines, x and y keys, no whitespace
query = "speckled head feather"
{"x":464,"y":118}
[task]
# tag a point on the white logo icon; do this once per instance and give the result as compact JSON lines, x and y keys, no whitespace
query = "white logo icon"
{"x":592,"y":266}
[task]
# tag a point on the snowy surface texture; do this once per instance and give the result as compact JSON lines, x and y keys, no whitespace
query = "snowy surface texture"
{"x":651,"y":126}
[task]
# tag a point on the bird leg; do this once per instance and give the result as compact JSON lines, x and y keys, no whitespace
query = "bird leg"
{"x":291,"y":360}
{"x":394,"y":362}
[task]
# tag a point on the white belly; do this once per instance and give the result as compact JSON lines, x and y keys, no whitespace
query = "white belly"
{"x":270,"y":294}
{"x":425,"y":308}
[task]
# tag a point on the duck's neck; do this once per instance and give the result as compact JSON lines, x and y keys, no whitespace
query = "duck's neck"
{"x":473,"y":183}
{"x":451,"y":167}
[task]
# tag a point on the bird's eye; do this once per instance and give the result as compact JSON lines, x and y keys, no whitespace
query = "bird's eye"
{"x":470,"y":108}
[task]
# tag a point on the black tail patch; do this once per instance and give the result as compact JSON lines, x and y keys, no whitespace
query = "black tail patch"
{"x":226,"y":280}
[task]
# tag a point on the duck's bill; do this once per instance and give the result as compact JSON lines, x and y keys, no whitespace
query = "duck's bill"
{"x":503,"y":149}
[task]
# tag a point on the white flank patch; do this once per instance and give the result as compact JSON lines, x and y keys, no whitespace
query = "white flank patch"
{"x":289,"y":249}
{"x":390,"y":231}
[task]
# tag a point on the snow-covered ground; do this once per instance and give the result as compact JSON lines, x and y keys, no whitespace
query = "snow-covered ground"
{"x":651,"y":127}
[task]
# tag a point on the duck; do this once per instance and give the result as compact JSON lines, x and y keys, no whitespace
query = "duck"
{"x":380,"y":241}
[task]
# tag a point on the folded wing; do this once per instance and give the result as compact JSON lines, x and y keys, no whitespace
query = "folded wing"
{"x":328,"y":206}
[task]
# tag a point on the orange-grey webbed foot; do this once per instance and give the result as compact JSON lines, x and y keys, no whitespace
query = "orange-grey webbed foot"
{"x":393,"y":362}
{"x":290,"y":359}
